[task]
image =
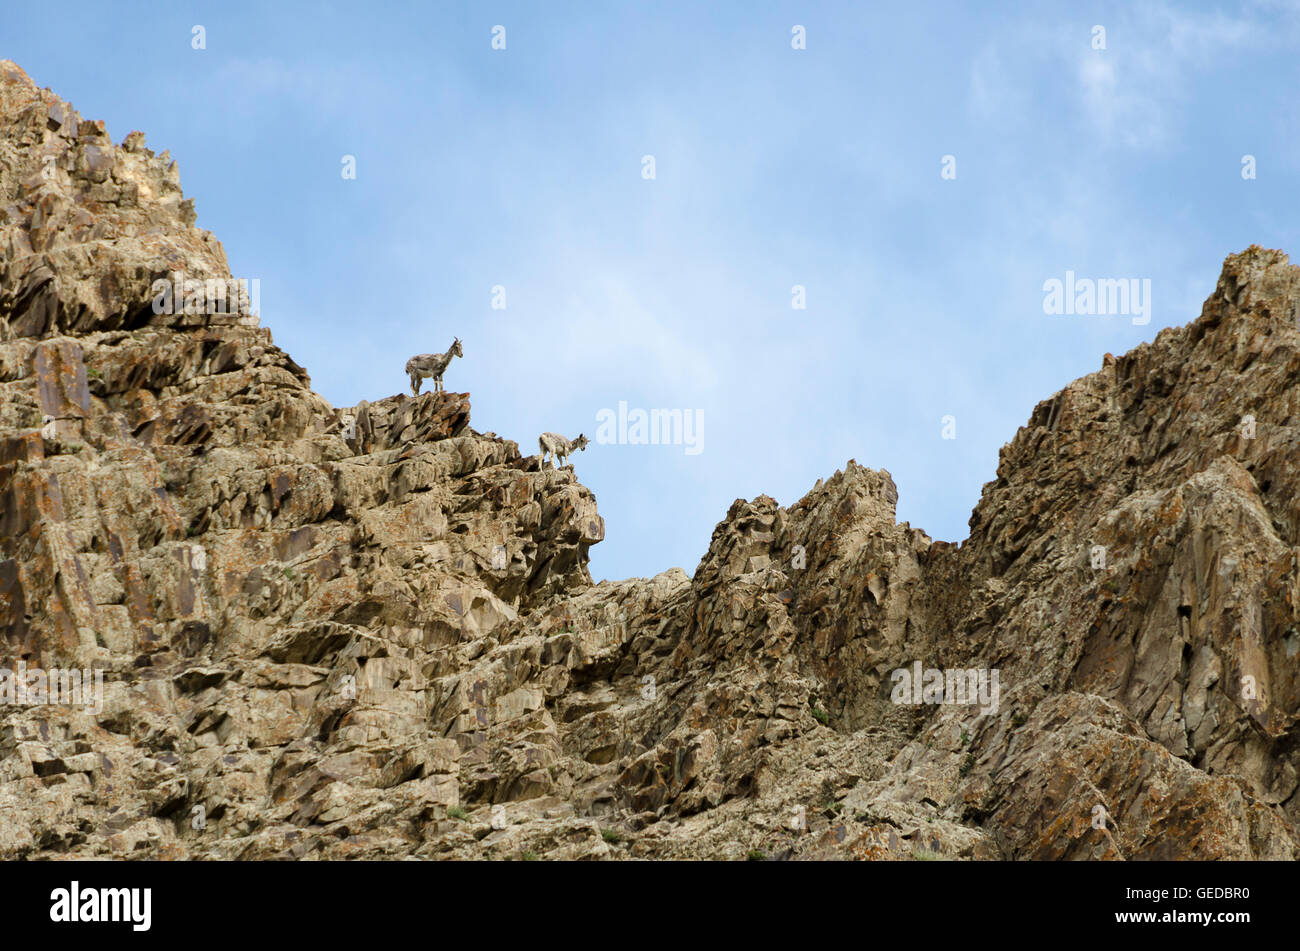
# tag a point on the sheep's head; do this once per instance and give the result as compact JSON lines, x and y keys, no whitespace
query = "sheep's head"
{"x":455,"y":348}
{"x":581,"y":442}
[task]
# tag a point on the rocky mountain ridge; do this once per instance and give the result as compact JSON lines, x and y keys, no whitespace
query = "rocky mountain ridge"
{"x":370,"y":632}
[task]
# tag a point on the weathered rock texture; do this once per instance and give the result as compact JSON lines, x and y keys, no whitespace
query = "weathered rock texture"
{"x":372,"y":633}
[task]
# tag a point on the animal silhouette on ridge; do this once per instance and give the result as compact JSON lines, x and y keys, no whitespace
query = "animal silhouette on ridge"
{"x":559,"y":448}
{"x":424,"y":366}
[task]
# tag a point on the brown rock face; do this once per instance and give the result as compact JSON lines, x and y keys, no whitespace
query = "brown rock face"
{"x":371,"y":632}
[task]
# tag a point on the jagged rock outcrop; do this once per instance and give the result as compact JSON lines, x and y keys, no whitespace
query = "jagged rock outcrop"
{"x":370,"y":631}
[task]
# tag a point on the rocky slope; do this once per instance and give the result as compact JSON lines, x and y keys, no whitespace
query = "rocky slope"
{"x":371,"y":632}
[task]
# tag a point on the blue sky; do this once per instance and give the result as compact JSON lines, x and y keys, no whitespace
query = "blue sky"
{"x":774,"y":167}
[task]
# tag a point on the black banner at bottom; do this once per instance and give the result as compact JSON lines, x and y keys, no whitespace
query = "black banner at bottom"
{"x":926,"y":900}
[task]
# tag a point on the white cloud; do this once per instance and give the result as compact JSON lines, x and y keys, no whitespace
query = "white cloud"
{"x":1134,"y":90}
